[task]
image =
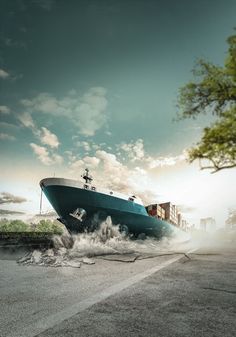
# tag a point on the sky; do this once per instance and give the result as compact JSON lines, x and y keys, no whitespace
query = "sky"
{"x":88,"y":83}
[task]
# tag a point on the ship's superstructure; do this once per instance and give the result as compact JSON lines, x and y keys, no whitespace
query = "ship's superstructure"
{"x":83,"y":206}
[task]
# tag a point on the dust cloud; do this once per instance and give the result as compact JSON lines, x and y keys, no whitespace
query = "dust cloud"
{"x":107,"y":242}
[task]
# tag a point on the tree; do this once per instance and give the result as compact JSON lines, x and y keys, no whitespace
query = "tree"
{"x":13,"y":226}
{"x":48,"y":226}
{"x":214,"y":91}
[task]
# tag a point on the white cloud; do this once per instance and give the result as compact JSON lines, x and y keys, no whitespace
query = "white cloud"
{"x":49,"y":138}
{"x":27,"y":120}
{"x":8,"y":198}
{"x":91,"y":161}
{"x":95,"y":146}
{"x":45,"y":136}
{"x":84,"y":145}
{"x":165,"y":161}
{"x":4,"y":109}
{"x":45,"y":103}
{"x":4,"y":74}
{"x":134,"y":150}
{"x":70,"y":156}
{"x":44,"y":155}
{"x":116,"y":176}
{"x":87,"y":112}
{"x":111,"y":173}
{"x":77,"y":165}
{"x":57,"y":159}
{"x":6,"y":136}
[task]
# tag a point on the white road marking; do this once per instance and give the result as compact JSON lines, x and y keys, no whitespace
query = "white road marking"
{"x":42,"y":325}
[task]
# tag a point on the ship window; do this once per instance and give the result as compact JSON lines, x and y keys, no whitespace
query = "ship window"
{"x":93,"y":188}
{"x":111,"y":193}
{"x":131,"y":199}
{"x":86,"y":186}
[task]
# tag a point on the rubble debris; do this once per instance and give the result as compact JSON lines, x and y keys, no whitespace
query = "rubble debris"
{"x":87,"y":260}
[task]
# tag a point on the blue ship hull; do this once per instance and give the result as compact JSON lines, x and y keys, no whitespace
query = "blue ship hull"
{"x":132,"y":217}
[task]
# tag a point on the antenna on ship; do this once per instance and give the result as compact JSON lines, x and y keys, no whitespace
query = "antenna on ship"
{"x":87,"y":177}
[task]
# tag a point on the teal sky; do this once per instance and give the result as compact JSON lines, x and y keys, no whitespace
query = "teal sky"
{"x":102,"y":72}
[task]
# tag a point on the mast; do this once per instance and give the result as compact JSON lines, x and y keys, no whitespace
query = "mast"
{"x":87,"y":177}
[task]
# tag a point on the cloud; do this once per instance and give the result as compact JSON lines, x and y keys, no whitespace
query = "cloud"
{"x":71,"y":156}
{"x":6,"y":136}
{"x":113,"y":174}
{"x":8,"y":198}
{"x":106,"y":165}
{"x":85,"y":145}
{"x":80,"y":164}
{"x":134,"y":150}
{"x":91,"y":161}
{"x":186,"y":209}
{"x":4,"y":110}
{"x":165,"y":161}
{"x":44,"y":156}
{"x":3,"y":74}
{"x":87,"y":112}
{"x":45,"y":136}
{"x":91,"y":111}
{"x":57,"y":159}
{"x":8,"y":212}
{"x":42,"y":153}
{"x":27,"y":120}
{"x":5,"y":125}
{"x":49,"y":138}
{"x":77,"y":165}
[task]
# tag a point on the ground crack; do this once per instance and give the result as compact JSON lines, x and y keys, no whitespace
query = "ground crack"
{"x":218,"y":289}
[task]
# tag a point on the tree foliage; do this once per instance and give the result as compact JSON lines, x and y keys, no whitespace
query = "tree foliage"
{"x":44,"y":226}
{"x":213,"y":91}
{"x":48,"y":226}
{"x":13,"y":226}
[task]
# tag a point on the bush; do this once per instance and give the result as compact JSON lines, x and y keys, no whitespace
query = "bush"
{"x":44,"y":226}
{"x":48,"y":226}
{"x":13,"y":226}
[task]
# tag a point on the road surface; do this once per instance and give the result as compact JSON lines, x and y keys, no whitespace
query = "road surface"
{"x":170,"y":295}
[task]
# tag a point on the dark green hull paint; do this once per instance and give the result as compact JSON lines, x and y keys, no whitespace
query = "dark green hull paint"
{"x":131,"y":216}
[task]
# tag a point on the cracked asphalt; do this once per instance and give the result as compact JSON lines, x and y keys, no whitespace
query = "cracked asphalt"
{"x":193,"y":295}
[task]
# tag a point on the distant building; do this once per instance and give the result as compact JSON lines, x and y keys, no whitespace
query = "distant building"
{"x":179,"y":220}
{"x":208,"y":224}
{"x":184,"y":224}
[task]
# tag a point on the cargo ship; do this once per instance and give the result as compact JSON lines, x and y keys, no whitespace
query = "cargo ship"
{"x":82,"y":207}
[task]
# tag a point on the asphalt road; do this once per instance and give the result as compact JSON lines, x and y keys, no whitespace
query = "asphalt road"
{"x":164,"y":296}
